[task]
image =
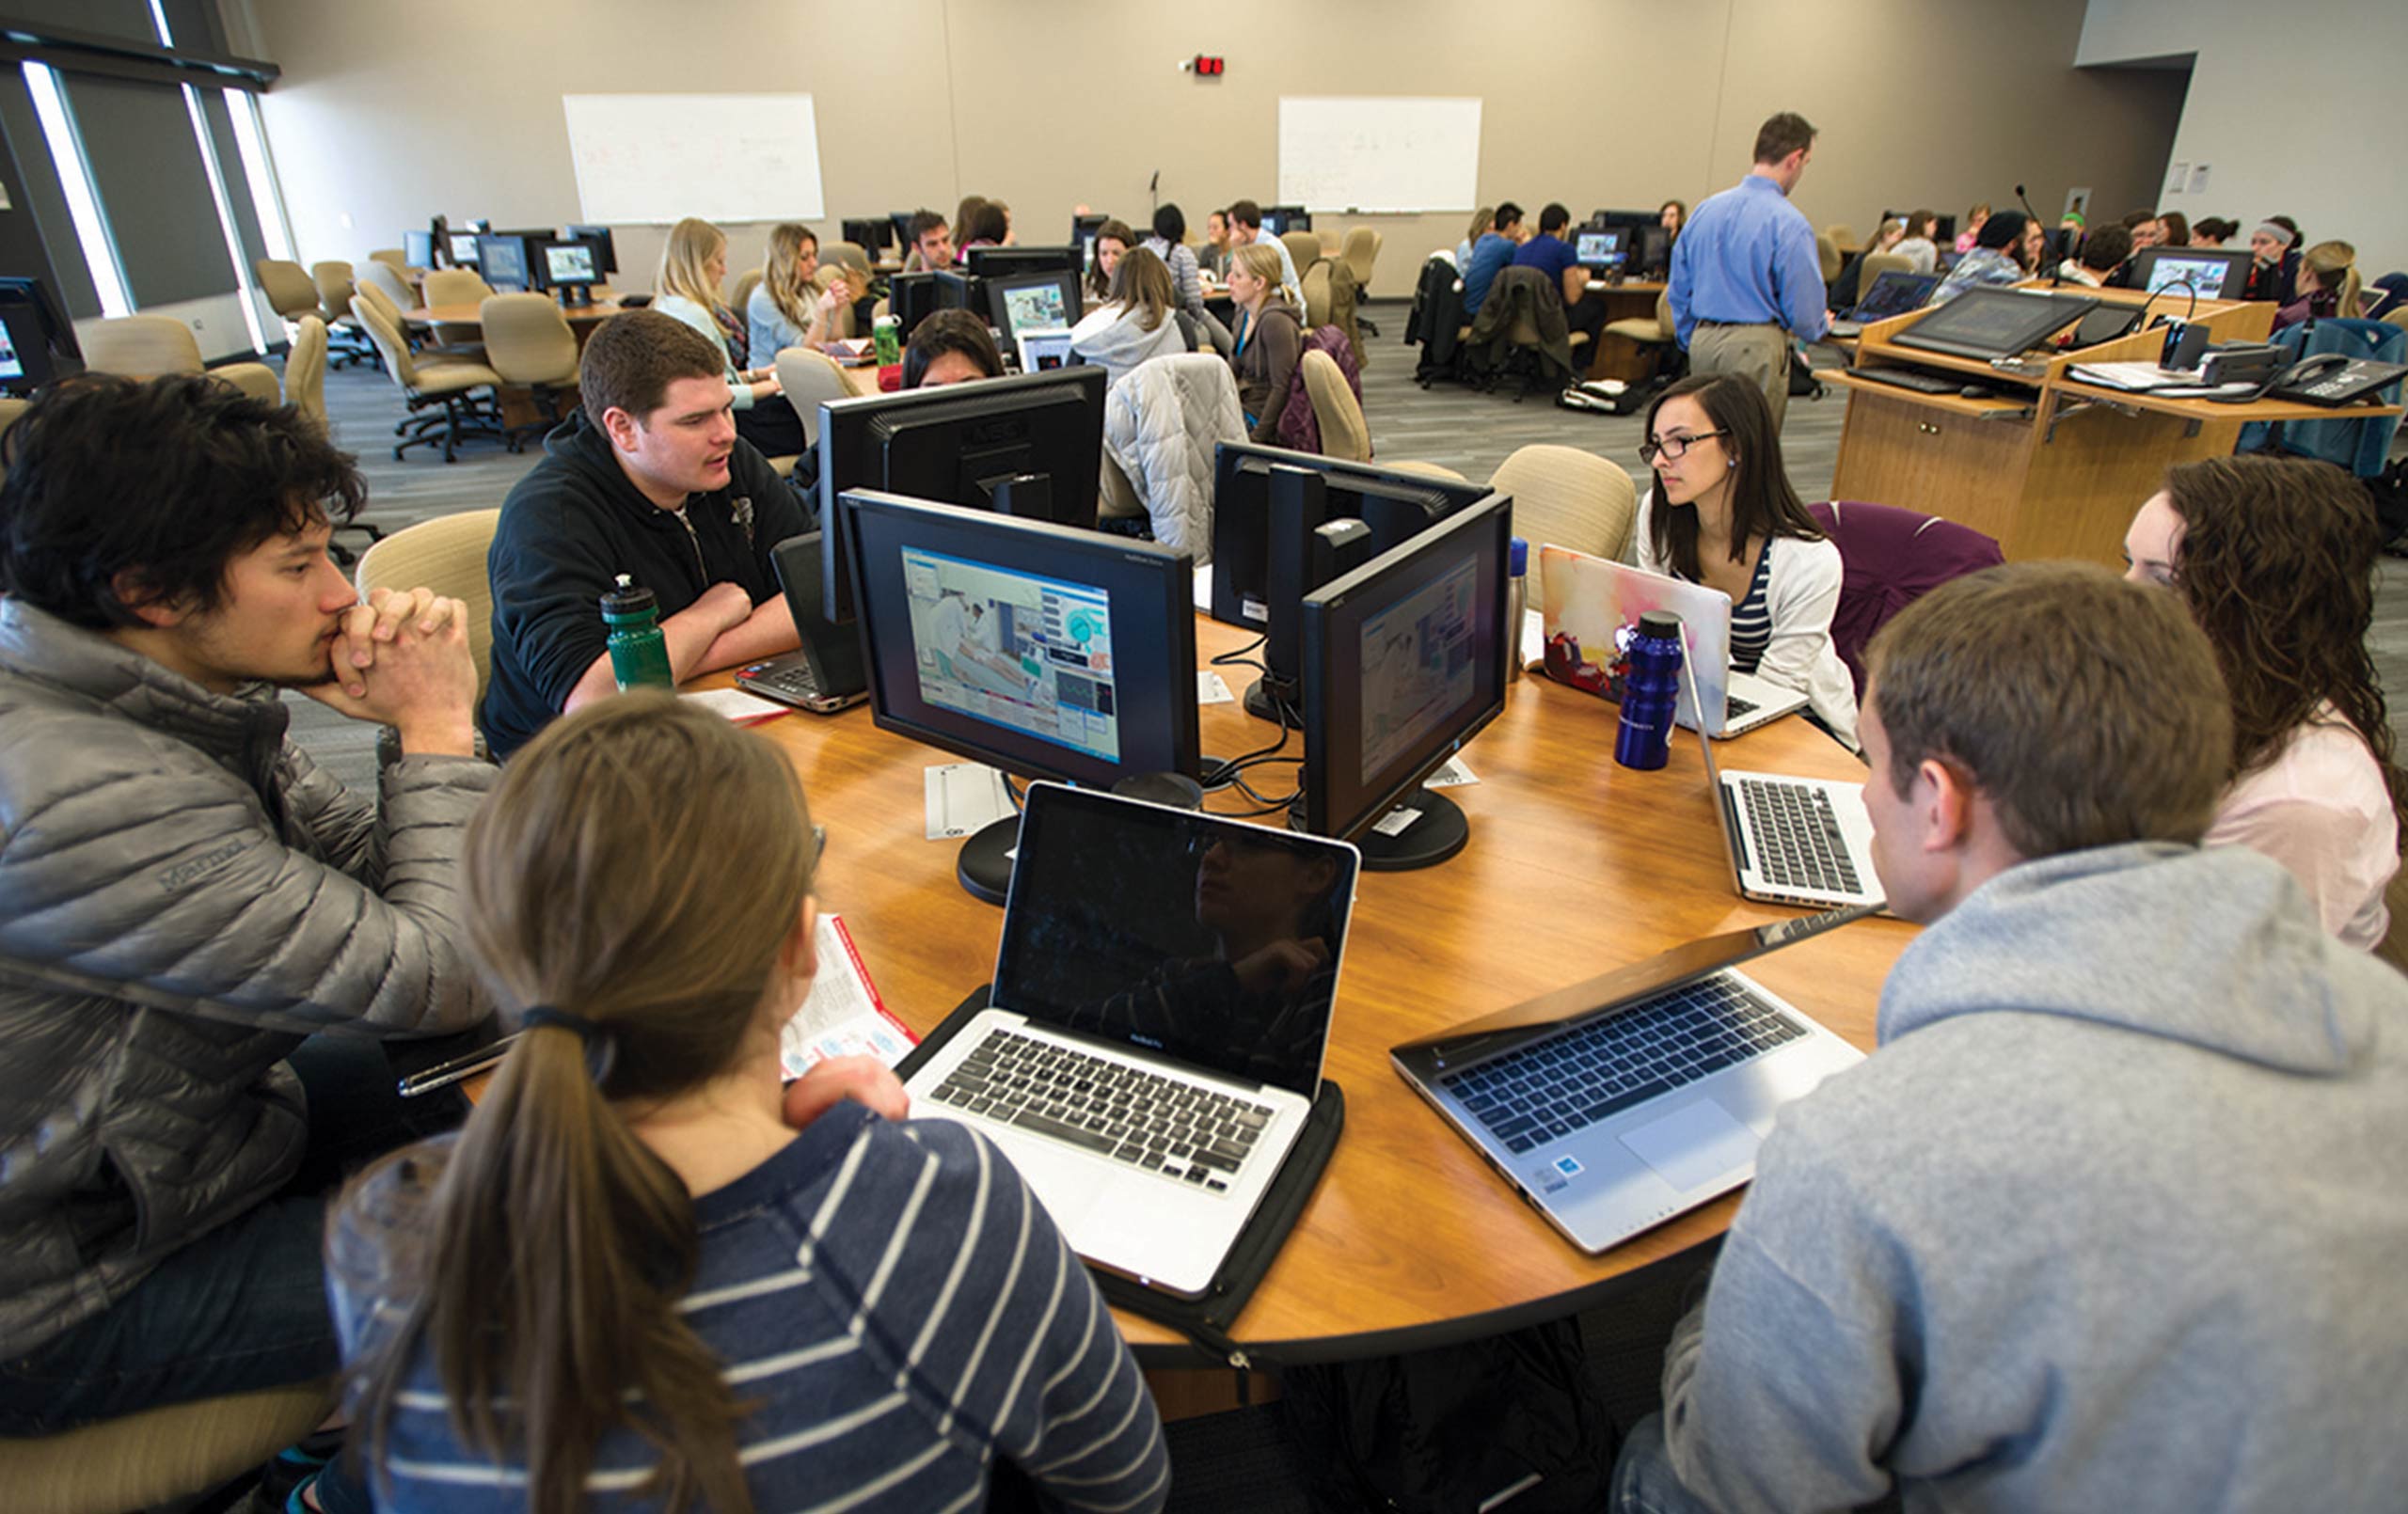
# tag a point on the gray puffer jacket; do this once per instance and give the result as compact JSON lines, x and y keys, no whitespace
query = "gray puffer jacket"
{"x":183,"y":897}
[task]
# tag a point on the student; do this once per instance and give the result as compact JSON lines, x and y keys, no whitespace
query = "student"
{"x":971,"y":205}
{"x":787,"y":309}
{"x":988,"y":226}
{"x":1269,"y":340}
{"x":2212,"y":231}
{"x":1997,"y":259}
{"x":2146,"y":230}
{"x":1245,"y":230}
{"x":931,"y":245}
{"x":629,"y":1273}
{"x":1492,"y":255}
{"x":1746,"y":283}
{"x":185,"y":897}
{"x":1214,"y":259}
{"x":2274,"y":269}
{"x":648,"y":479}
{"x":1918,"y":246}
{"x":2104,"y":1222}
{"x":2274,"y":557}
{"x":950,"y":347}
{"x":1849,"y":287}
{"x":1169,"y":243}
{"x":693,"y":265}
{"x":1723,"y":514}
{"x":1672,"y":215}
{"x":1551,"y":255}
{"x":2103,"y":252}
{"x":1140,"y":321}
{"x":1113,"y":239}
{"x":2173,"y":230}
{"x":1968,"y":237}
{"x":2327,"y":285}
{"x":1484,"y":221}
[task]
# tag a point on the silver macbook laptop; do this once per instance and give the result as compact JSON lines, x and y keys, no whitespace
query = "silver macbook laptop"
{"x":1793,"y":841}
{"x":1589,"y":600}
{"x":1154,"y":1039}
{"x":1618,"y":1103}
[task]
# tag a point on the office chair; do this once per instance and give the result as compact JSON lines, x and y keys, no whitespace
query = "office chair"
{"x":1841,"y":233}
{"x":146,"y":346}
{"x":1826,"y":255}
{"x":453,"y":386}
{"x":1428,"y":470}
{"x":1362,"y":254}
{"x":529,"y":345}
{"x":305,"y":370}
{"x":1317,"y":296}
{"x":1889,"y":558}
{"x":851,"y":255}
{"x":447,"y":555}
{"x":1304,"y":250}
{"x":1344,"y":432}
{"x":1569,"y":496}
{"x":348,"y":342}
{"x":1652,"y":335}
{"x":807,"y":378}
{"x":289,"y":290}
{"x":741,"y":296}
{"x":453,"y":286}
{"x":172,"y":1454}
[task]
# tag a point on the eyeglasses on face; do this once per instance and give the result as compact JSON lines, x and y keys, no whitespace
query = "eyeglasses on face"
{"x":1675,"y":446}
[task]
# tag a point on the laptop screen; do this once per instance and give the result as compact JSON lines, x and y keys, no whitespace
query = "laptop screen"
{"x":1896,"y":293}
{"x":1211,"y":940}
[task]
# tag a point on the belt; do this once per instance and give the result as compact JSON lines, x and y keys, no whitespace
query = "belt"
{"x":1775,"y":325}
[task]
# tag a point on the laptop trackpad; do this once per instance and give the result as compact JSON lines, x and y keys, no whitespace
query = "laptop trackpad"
{"x":1694,"y":1144}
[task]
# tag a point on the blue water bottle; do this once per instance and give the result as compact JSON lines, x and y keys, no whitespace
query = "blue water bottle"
{"x":1651,"y":691}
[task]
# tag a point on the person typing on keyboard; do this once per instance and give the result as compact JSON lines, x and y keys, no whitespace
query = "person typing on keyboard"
{"x":2096,"y":1226}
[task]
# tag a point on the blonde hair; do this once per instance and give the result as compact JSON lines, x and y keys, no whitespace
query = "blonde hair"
{"x":1261,"y":259}
{"x":2336,"y":267}
{"x":1482,"y":219}
{"x":1143,"y":283}
{"x":691,"y":244}
{"x":778,"y":273}
{"x":643,"y":864}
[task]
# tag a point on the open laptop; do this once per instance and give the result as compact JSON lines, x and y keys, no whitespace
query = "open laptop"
{"x":1793,"y":841}
{"x":1590,"y":601}
{"x":1894,"y":293}
{"x":1616,"y":1104}
{"x":1153,"y":1046}
{"x":1042,"y":349}
{"x":824,"y":674}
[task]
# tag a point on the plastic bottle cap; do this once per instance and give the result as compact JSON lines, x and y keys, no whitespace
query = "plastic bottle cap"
{"x":1660,"y":623}
{"x":1518,"y":559}
{"x":628,"y":599}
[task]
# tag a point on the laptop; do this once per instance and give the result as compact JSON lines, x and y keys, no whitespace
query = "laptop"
{"x":1617,"y":1104}
{"x":1793,"y":841}
{"x":824,"y":674}
{"x":1043,"y":349}
{"x":1600,"y":251}
{"x":1589,"y":602}
{"x":1894,"y":293}
{"x":1151,"y":1046}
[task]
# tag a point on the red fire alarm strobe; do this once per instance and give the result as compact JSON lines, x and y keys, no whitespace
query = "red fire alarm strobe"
{"x":1204,"y":66}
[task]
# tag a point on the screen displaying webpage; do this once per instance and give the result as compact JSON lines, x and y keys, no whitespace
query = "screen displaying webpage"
{"x":1030,"y":653}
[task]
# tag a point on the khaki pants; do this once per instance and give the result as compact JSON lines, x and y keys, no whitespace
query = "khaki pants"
{"x":1757,"y":353}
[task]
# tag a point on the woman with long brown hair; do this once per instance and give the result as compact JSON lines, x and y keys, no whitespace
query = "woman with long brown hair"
{"x":1142,"y":320}
{"x":2275,"y":558}
{"x":628,"y":1274}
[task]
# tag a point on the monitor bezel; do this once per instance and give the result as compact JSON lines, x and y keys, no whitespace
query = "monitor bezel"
{"x":539,"y":267}
{"x":1000,"y":285}
{"x":1013,"y":262}
{"x":2236,"y":273}
{"x":2046,"y":315}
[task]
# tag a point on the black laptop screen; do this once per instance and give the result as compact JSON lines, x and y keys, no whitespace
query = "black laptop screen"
{"x":1213,"y":941}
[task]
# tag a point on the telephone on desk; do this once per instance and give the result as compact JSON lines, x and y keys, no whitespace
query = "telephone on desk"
{"x":2335,"y":379}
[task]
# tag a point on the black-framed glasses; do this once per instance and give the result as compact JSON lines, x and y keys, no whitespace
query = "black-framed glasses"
{"x":1675,"y":447}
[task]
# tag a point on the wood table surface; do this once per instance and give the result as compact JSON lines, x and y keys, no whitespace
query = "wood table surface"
{"x":1575,"y":866}
{"x":603,"y":307}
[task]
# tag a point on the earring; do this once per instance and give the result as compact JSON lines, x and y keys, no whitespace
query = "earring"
{"x":1729,"y":462}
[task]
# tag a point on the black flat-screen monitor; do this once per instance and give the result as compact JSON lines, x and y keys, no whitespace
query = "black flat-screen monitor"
{"x":2213,"y":273}
{"x":606,"y":250}
{"x":872,"y":234}
{"x":1022,"y":303}
{"x":1005,"y":263}
{"x":961,"y":445}
{"x":1989,"y":322}
{"x":1278,"y":220}
{"x":569,"y":269}
{"x":1037,"y":649}
{"x":1894,"y":293}
{"x":902,"y":220}
{"x":1603,"y":250}
{"x":1083,"y":227}
{"x":507,"y":259}
{"x":37,"y":343}
{"x":1404,"y":663}
{"x":418,"y":248}
{"x":463,"y":248}
{"x":911,"y":298}
{"x":1395,"y":505}
{"x":961,"y":291}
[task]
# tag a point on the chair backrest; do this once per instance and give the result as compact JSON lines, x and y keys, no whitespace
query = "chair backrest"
{"x":528,"y":340}
{"x":853,"y":256}
{"x":1317,"y":296}
{"x":454,"y":286}
{"x":741,"y":295}
{"x":1344,"y":433}
{"x":372,"y":293}
{"x":141,"y":346}
{"x":154,"y":1457}
{"x":1568,"y":497}
{"x":334,"y":281}
{"x":2399,"y":318}
{"x":447,"y":555}
{"x":808,"y":377}
{"x":9,"y":411}
{"x":1877,"y":263}
{"x":385,"y":276}
{"x":1362,"y":252}
{"x":289,"y":290}
{"x":392,"y":346}
{"x":1664,"y":322}
{"x":1841,"y":233}
{"x":257,"y":380}
{"x":1826,"y":253}
{"x":1304,"y":247}
{"x":393,"y":258}
{"x":1428,"y":470}
{"x":1889,"y":558}
{"x":305,"y":370}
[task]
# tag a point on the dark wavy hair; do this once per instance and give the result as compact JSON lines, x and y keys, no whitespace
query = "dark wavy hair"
{"x":1763,"y":502}
{"x":2277,"y":562}
{"x":121,"y":493}
{"x":950,"y":331}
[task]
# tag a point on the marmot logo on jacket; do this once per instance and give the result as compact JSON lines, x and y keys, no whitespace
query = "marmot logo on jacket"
{"x":184,"y":874}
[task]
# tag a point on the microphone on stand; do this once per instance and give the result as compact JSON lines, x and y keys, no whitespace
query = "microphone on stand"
{"x":2057,"y":264}
{"x":1153,"y":186}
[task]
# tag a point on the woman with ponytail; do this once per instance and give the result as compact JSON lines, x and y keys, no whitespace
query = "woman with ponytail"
{"x":629,"y":1282}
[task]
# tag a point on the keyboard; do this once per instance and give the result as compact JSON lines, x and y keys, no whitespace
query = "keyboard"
{"x":1909,"y":378}
{"x":1798,"y":837}
{"x":1568,"y":1081}
{"x":788,"y":680}
{"x":1185,"y":1132}
{"x":1734,"y":707}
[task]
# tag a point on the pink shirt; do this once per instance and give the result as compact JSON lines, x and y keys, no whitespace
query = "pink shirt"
{"x":2320,"y":809}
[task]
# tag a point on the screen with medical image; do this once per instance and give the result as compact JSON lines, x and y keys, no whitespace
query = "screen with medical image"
{"x":1417,"y":667}
{"x":1027,"y":653}
{"x":11,"y":366}
{"x":1599,"y":249}
{"x":1036,"y":308}
{"x":2204,"y":274}
{"x":572,"y":264}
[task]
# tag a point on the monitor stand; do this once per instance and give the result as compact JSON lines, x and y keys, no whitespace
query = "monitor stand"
{"x":574,"y":295}
{"x":985,"y":865}
{"x":1435,"y":834}
{"x":1279,"y":708}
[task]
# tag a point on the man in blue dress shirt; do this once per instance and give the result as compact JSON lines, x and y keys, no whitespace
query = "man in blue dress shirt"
{"x":1492,"y":255}
{"x":1745,"y":275}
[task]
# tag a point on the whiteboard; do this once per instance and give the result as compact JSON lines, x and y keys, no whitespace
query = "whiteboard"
{"x":654,"y":159}
{"x":1379,"y":153}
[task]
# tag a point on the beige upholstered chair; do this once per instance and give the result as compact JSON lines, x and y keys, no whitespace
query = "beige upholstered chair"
{"x":1317,"y":296}
{"x":161,"y":1456}
{"x":257,"y":380}
{"x":447,"y":555}
{"x":1877,"y":263}
{"x":808,"y":378}
{"x":1304,"y":250}
{"x":1344,"y":433}
{"x":1570,"y":498}
{"x":1428,"y":470}
{"x":347,"y":341}
{"x":9,"y":411}
{"x":1362,"y":254}
{"x":741,"y":295}
{"x":451,"y":386}
{"x":289,"y":290}
{"x":529,"y":344}
{"x":146,"y":346}
{"x":1652,"y":334}
{"x":1826,"y":254}
{"x":387,"y":280}
{"x":305,"y":370}
{"x":2398,"y":318}
{"x":852,"y":256}
{"x":454,"y":286}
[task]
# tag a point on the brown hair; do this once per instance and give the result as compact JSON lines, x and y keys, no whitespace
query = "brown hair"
{"x":990,"y":222}
{"x":778,"y":274}
{"x":1763,"y":501}
{"x":2177,"y":228}
{"x":971,"y":205}
{"x":630,"y":361}
{"x":1116,"y":230}
{"x":1482,"y":219}
{"x":643,"y":864}
{"x":1142,"y":283}
{"x":2277,"y":562}
{"x":950,"y":331}
{"x":1782,"y":135}
{"x":1925,"y":223}
{"x":2106,"y":247}
{"x":2088,"y":710}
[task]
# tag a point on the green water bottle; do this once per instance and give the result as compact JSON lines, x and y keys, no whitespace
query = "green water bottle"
{"x":638,"y":652}
{"x":886,"y":336}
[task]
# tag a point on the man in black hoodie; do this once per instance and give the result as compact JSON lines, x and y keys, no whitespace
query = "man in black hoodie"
{"x":651,"y":481}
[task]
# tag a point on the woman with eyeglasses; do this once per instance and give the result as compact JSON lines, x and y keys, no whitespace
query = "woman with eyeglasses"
{"x":1723,"y":514}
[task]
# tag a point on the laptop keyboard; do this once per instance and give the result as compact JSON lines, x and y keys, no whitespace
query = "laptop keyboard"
{"x":1566,"y":1082}
{"x":1187,"y":1132}
{"x":791,"y":682}
{"x":1735,"y":708}
{"x":1797,"y":838}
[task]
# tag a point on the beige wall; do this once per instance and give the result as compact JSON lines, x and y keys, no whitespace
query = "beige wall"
{"x":388,"y":114}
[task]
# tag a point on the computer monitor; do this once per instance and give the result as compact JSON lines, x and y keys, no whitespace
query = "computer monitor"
{"x":1037,"y":649}
{"x":37,"y":343}
{"x":463,"y":246}
{"x":874,"y":234}
{"x":1893,"y":293}
{"x":606,"y":250}
{"x":2214,"y":274}
{"x":1987,"y":322}
{"x":902,"y":222}
{"x":1601,"y":250}
{"x":961,"y":291}
{"x":569,"y":270}
{"x":1278,"y":220}
{"x":1654,"y":248}
{"x":1946,"y":234}
{"x":418,"y":248}
{"x":1023,"y":303}
{"x":1083,"y":227}
{"x":507,"y":259}
{"x":1005,"y":263}
{"x":1404,"y":663}
{"x":1030,"y":446}
{"x":911,"y":298}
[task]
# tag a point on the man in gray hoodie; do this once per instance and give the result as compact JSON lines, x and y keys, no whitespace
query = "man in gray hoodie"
{"x":2114,"y":1217}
